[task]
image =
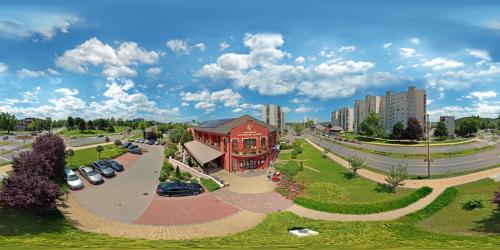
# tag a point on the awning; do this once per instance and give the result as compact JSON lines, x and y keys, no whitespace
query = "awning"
{"x":201,"y":152}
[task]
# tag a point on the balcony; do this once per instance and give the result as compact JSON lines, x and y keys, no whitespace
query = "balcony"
{"x":210,"y":144}
{"x":249,"y":152}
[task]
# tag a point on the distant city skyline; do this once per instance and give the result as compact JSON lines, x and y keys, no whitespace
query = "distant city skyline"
{"x":167,"y":62}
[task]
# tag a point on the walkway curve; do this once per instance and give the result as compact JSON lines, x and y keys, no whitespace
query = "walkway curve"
{"x":438,"y":185}
{"x":87,"y":221}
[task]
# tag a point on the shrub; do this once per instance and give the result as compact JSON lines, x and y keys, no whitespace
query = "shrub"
{"x":166,"y":171}
{"x":297,"y":149}
{"x":294,"y":155}
{"x":364,"y":208}
{"x":285,"y":146}
{"x":397,"y":176}
{"x":209,"y":184}
{"x":291,"y":168}
{"x":118,"y":143}
{"x":355,"y":163}
{"x":472,"y":202}
{"x":186,"y":176}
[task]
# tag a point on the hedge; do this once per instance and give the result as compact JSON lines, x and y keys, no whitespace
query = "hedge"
{"x":285,"y":146}
{"x":368,"y":208}
{"x":442,"y":201}
{"x":209,"y":184}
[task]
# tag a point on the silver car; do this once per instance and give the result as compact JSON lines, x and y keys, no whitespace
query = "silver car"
{"x":72,"y":179}
{"x":91,"y":175}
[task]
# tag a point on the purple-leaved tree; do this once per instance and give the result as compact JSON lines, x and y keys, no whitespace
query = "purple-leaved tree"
{"x":52,"y":147}
{"x":496,"y":198}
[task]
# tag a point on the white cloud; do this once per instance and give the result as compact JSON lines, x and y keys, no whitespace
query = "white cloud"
{"x":35,"y":25}
{"x":407,"y":52}
{"x":482,"y":96}
{"x":200,"y":46}
{"x":67,"y":92}
{"x":440,"y":63}
{"x":26,"y":73}
{"x":387,"y":45}
{"x":481,"y":54}
{"x":178,"y":46}
{"x":300,"y":60}
{"x":207,"y":101}
{"x":347,"y":49}
{"x":154,"y":72}
{"x":303,"y":109}
{"x":415,"y":40}
{"x":223,"y":46}
{"x":3,"y":68}
{"x":116,"y":62}
{"x":429,"y":101}
{"x":483,"y":109}
{"x":302,"y":100}
{"x":185,"y":104}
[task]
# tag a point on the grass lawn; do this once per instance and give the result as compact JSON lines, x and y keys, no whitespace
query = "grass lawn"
{"x":321,"y":175}
{"x":88,"y":155}
{"x":18,"y":230}
{"x":90,"y":133}
{"x":455,"y":220}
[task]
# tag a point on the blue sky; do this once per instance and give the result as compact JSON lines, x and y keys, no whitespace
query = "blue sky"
{"x":184,"y":60}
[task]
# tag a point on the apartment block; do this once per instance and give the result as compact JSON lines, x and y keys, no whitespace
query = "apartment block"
{"x":343,"y":118}
{"x":393,"y":107}
{"x":449,"y":121}
{"x":273,"y":114}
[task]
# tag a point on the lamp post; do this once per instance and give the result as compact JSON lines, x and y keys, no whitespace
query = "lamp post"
{"x":428,"y":148}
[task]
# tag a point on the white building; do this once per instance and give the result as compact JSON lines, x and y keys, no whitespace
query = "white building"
{"x":449,"y":122}
{"x":393,"y":107}
{"x":274,"y":115}
{"x":343,"y":118}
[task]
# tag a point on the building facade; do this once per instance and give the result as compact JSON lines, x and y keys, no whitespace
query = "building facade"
{"x":393,"y":107}
{"x":273,"y":114}
{"x":449,"y":122}
{"x":343,"y":118}
{"x":236,"y":145}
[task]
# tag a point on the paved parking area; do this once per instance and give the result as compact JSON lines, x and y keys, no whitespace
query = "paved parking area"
{"x":185,"y":210}
{"x":127,"y":195}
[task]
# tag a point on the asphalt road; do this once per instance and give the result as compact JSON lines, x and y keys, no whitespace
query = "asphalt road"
{"x":417,"y":167}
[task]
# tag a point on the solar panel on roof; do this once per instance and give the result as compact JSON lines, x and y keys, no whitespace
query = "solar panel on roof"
{"x":213,"y":123}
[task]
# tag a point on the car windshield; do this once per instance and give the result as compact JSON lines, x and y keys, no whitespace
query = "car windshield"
{"x":72,"y":178}
{"x":92,"y":173}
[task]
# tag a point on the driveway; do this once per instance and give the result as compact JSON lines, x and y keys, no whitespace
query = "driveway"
{"x":126,"y":196}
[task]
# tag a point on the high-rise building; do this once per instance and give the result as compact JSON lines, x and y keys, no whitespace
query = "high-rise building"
{"x":343,"y":118}
{"x":274,"y":115}
{"x":449,"y":122}
{"x":393,"y":107}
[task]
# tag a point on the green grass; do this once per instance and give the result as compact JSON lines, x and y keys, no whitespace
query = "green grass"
{"x":455,"y":220}
{"x":90,"y":133}
{"x":18,"y":230}
{"x":209,"y":184}
{"x":87,"y":156}
{"x":5,"y":163}
{"x":355,"y":190}
{"x":368,"y":208}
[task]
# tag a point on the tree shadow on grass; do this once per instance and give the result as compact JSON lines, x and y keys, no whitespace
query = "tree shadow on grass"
{"x":14,"y":222}
{"x":489,"y":225}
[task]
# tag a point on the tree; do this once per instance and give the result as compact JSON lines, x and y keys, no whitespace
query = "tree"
{"x":80,"y":123}
{"x":413,"y":129}
{"x":70,"y":123}
{"x":106,"y":139}
{"x":143,"y":126}
{"x":298,"y":129}
{"x":441,"y":130}
{"x":355,"y":163}
{"x":7,"y":122}
{"x":371,"y":126}
{"x":177,"y":172}
{"x":468,"y":126}
{"x":397,"y":176}
{"x":118,"y":143}
{"x":99,"y":150}
{"x":90,"y":125}
{"x":176,"y":134}
{"x":51,"y":147}
{"x":398,"y":130}
{"x":496,"y":198}
{"x":186,"y":137}
{"x":69,"y":153}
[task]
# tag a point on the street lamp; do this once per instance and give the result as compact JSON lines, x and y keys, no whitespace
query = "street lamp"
{"x":428,"y":160}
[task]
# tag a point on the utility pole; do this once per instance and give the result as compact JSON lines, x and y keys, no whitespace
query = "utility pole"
{"x":428,"y":148}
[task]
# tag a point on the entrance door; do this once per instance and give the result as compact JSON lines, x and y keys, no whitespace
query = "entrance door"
{"x":234,"y":167}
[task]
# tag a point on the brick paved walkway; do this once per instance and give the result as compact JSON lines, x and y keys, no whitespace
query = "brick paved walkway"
{"x":261,"y":203}
{"x":185,"y":210}
{"x":87,"y":221}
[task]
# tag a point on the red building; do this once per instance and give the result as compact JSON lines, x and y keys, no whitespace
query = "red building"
{"x":236,"y":144}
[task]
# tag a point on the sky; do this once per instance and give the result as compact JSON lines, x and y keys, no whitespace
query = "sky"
{"x":199,"y":60}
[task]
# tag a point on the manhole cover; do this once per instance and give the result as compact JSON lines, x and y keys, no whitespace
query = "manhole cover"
{"x":144,"y":193}
{"x":119,"y":204}
{"x":156,"y":172}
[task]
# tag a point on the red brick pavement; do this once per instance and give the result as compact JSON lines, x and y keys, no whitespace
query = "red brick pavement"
{"x":261,"y":203}
{"x":127,"y":159}
{"x":185,"y":210}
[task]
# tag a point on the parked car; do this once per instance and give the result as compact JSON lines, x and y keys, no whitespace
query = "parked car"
{"x":135,"y":151}
{"x":115,"y":165}
{"x":178,"y":189}
{"x":103,"y":168}
{"x":150,"y":142}
{"x":163,"y":142}
{"x":126,"y":144}
{"x":141,"y":140}
{"x":132,"y":146}
{"x":72,"y":179}
{"x":91,"y":175}
{"x":137,"y":140}
{"x":157,"y":142}
{"x":99,"y":136}
{"x":5,"y":138}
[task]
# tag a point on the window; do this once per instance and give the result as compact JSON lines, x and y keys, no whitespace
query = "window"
{"x":249,"y":143}
{"x":234,"y":145}
{"x":263,"y":141}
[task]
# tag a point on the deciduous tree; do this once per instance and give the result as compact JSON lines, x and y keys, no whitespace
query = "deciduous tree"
{"x":398,"y":130}
{"x":441,"y":130}
{"x":99,"y":149}
{"x":396,"y":176}
{"x":371,"y":126}
{"x":413,"y":129}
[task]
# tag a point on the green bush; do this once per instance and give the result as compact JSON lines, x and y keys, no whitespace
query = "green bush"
{"x":166,"y":171}
{"x":294,"y":155}
{"x":442,"y":201}
{"x":209,"y":184}
{"x":170,"y":152}
{"x":186,"y":176}
{"x":368,"y":208}
{"x":285,"y":146}
{"x":291,"y":168}
{"x":472,"y":202}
